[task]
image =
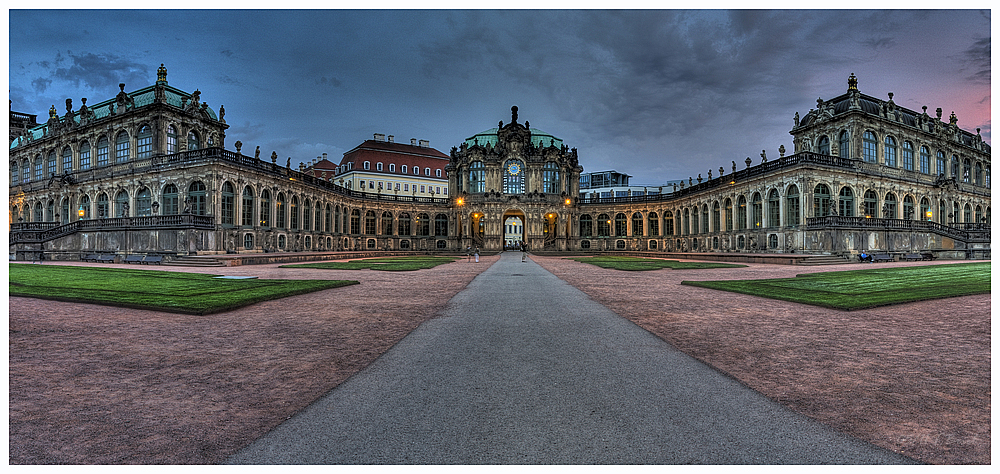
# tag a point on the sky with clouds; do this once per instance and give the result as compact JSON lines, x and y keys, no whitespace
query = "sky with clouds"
{"x":657,"y":94}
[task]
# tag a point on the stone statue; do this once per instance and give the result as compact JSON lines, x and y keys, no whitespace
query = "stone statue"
{"x":690,"y":181}
{"x":699,"y":178}
{"x":274,"y":157}
{"x":748,"y":162}
{"x":781,"y":151}
{"x":722,"y":170}
{"x":69,"y":106}
{"x":256,"y":153}
{"x":222,"y":113}
{"x":288,"y":163}
{"x":763,"y":156}
{"x":796,"y":119}
{"x":709,"y":175}
{"x":734,"y":166}
{"x":239,"y":146}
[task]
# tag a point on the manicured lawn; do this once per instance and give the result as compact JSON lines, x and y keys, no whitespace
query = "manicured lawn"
{"x":392,"y":264}
{"x":642,"y":264}
{"x":189,"y":293}
{"x":860,"y":289}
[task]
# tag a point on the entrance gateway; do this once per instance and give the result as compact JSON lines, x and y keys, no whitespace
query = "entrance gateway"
{"x":515,"y":183}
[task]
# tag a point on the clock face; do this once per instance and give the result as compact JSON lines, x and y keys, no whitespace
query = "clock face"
{"x":513,"y":168}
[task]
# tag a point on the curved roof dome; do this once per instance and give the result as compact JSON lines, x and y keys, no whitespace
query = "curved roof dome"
{"x":538,"y":138}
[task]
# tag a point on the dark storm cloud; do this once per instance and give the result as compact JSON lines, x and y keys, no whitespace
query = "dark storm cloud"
{"x":101,"y":72}
{"x":978,"y":58}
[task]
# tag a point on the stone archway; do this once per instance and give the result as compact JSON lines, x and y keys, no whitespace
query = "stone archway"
{"x":514,"y":229}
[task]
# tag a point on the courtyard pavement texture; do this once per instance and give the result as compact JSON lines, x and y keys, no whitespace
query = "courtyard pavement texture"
{"x":522,"y":368}
{"x":103,"y":385}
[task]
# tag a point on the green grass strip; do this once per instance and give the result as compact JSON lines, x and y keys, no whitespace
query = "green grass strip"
{"x":390,"y":264}
{"x":862,"y":289}
{"x":176,"y":292}
{"x":643,"y":264}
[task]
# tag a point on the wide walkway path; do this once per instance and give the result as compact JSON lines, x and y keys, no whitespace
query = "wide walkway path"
{"x":522,"y":368}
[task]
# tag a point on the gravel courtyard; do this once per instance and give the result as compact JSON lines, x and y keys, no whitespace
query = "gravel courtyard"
{"x":101,"y":385}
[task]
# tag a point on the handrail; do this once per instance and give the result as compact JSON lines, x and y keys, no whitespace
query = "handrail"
{"x":30,"y":232}
{"x":967,"y":231}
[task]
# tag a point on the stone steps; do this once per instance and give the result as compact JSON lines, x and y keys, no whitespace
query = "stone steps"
{"x":825,"y":260}
{"x":195,"y":262}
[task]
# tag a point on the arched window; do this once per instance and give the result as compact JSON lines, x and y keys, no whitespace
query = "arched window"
{"x":85,"y":155}
{"x":890,"y":152}
{"x":513,"y":177}
{"x":758,"y":211}
{"x":716,"y":217}
{"x":979,"y":214}
{"x":370,"y":222}
{"x":171,"y":139}
{"x":39,"y":168}
{"x":704,"y":218}
{"x":637,"y":225}
{"x":845,"y":204}
{"x":979,"y":174}
{"x":367,"y":165}
{"x":967,"y":214}
{"x":845,"y":144}
{"x":198,"y":196}
{"x":925,"y":210}
{"x":144,"y":142}
{"x":170,"y":200}
{"x":821,"y":201}
{"x":437,"y":173}
{"x":908,"y":210}
{"x":51,"y":168}
{"x":85,"y":206}
{"x":792,"y":206}
{"x":423,"y":224}
{"x":654,"y":224}
{"x":890,"y":207}
{"x":586,"y":226}
{"x":13,"y":172}
{"x":907,"y":156}
{"x":871,"y":204}
{"x":621,"y":225}
{"x":228,"y":204}
{"x":427,"y":171}
{"x":823,"y":148}
{"x":25,"y":172}
{"x":741,"y":213}
{"x":603,"y":225}
{"x":550,"y":178}
{"x":102,"y":151}
{"x":386,"y":223}
{"x":103,"y":209}
{"x":64,"y":217}
{"x":392,"y":167}
{"x":686,"y":223}
{"x":668,"y":223}
{"x":143,"y":203}
{"x":329,"y":221}
{"x":355,"y":221}
{"x":121,"y":147}
{"x":193,"y":143}
{"x":265,"y":209}
{"x":403,"y":226}
{"x":941,"y":166}
{"x":121,"y":204}
{"x":39,"y":216}
{"x":966,"y":171}
{"x":477,"y":177}
{"x":293,"y":213}
{"x":306,"y":213}
{"x":925,"y":160}
{"x":441,"y":225}
{"x":67,"y":160}
{"x":729,"y":214}
{"x":955,"y":173}
{"x":247,"y":207}
{"x":402,"y":169}
{"x":986,"y":176}
{"x":869,"y":150}
{"x":378,"y":166}
{"x":773,"y":209}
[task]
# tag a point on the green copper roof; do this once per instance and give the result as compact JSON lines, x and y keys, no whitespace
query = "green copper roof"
{"x":538,"y":138}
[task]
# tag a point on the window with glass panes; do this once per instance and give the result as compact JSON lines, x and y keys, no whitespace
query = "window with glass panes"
{"x":121,"y":147}
{"x":845,"y":144}
{"x":171,"y":139}
{"x":773,"y":209}
{"x":441,"y":225}
{"x":654,"y":224}
{"x":38,"y":168}
{"x":228,"y":203}
{"x":85,"y":156}
{"x":869,"y":148}
{"x":144,"y":142}
{"x":845,"y":203}
{"x":821,"y":200}
{"x":143,"y":203}
{"x":925,"y":160}
{"x":198,"y":195}
{"x":51,"y":168}
{"x":67,"y":160}
{"x":247,"y":207}
{"x":908,"y":156}
{"x":102,"y":151}
{"x":279,"y":211}
{"x":171,"y":201}
{"x":370,"y":223}
{"x":293,"y":213}
{"x":792,"y":209}
{"x":586,"y":226}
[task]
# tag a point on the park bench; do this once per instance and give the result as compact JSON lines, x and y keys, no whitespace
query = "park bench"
{"x":884,"y":257}
{"x":910,"y":257}
{"x":105,"y":258}
{"x":133,"y":259}
{"x":927,"y":256}
{"x":90,"y":257}
{"x":152,"y":259}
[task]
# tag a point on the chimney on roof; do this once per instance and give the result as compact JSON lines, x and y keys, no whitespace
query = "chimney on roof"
{"x":425,"y":143}
{"x":390,"y":139}
{"x":324,"y":156}
{"x":413,"y":142}
{"x":380,"y":137}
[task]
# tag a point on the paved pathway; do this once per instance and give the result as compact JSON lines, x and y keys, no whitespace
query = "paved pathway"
{"x":521,"y":368}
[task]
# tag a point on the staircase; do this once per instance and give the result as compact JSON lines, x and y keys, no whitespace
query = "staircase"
{"x":824,"y":260}
{"x":195,"y":262}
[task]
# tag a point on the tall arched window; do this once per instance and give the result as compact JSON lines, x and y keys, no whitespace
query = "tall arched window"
{"x":741,"y":213}
{"x":907,"y":156}
{"x":85,"y":155}
{"x":228,"y":204}
{"x":102,"y":151}
{"x":637,"y":225}
{"x":386,"y":223}
{"x":64,"y":218}
{"x":51,"y":168}
{"x":144,"y":142}
{"x":247,"y":207}
{"x":355,"y":221}
{"x":50,"y":211}
{"x":441,"y":225}
{"x":823,"y":146}
{"x":773,"y":209}
{"x":821,"y":200}
{"x":39,"y":216}
{"x":293,"y":213}
{"x":925,"y":160}
{"x":328,"y":228}
{"x":603,"y":225}
{"x":39,"y":168}
{"x":955,"y":173}
{"x":966,"y":171}
{"x":925,"y":210}
{"x":729,"y":214}
{"x":668,"y":223}
{"x":758,"y":211}
{"x":477,"y":177}
{"x":908,"y":209}
{"x":869,"y":148}
{"x":404,"y":227}
{"x":171,"y":139}
{"x":513,"y":177}
{"x":941,"y":165}
{"x":103,"y":209}
{"x":716,"y":217}
{"x":792,"y":206}
{"x":845,"y":144}
{"x":654,"y":224}
{"x":890,"y":152}
{"x":871,"y":204}
{"x":121,"y":204}
{"x":265,"y":209}
{"x":979,"y":174}
{"x":198,"y":196}
{"x":306,"y":212}
{"x":967,"y":214}
{"x":690,"y":221}
{"x":845,"y":204}
{"x":704,"y":218}
{"x":280,"y":211}
{"x":121,"y":147}
{"x":25,"y":171}
{"x":13,"y":172}
{"x":370,"y":222}
{"x":193,"y":143}
{"x":890,"y":207}
{"x":621,"y":225}
{"x":85,"y":206}
{"x":423,"y":224}
{"x":550,"y":178}
{"x":171,"y":202}
{"x":586,"y":226}
{"x":143,"y":202}
{"x":67,"y":160}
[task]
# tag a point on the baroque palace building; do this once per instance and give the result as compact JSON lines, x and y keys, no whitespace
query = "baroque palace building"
{"x":147,"y":172}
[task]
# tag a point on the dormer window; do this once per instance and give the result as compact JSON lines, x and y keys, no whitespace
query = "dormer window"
{"x":403,"y":168}
{"x":437,"y":173}
{"x":368,"y":165}
{"x":378,"y":166}
{"x":427,"y":171}
{"x":392,"y":167}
